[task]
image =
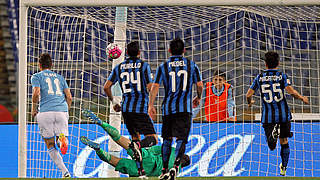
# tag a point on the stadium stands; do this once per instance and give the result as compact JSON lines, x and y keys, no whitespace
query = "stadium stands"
{"x":7,"y":64}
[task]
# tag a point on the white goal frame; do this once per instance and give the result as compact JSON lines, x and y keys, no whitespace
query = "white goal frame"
{"x":22,"y":76}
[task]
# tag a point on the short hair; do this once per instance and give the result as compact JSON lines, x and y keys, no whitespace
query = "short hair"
{"x":185,"y":160}
{"x":45,"y":60}
{"x":177,"y":46}
{"x":272,"y":59}
{"x":220,"y":74}
{"x":133,"y":49}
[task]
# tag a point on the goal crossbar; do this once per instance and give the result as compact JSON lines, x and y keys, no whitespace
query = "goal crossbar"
{"x":169,"y":3}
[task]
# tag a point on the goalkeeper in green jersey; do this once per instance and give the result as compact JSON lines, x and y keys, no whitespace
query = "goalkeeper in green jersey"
{"x":151,"y":157}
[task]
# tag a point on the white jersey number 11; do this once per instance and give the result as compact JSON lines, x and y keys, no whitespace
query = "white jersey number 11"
{"x":57,"y":84}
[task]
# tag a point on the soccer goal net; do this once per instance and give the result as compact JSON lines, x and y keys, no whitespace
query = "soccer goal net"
{"x":231,"y":39}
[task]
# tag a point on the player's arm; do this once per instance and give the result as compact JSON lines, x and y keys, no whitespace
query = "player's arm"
{"x":197,"y":99}
{"x":112,"y":79}
{"x":68,"y":97}
{"x":152,"y":97}
{"x":107,"y":90}
{"x":35,"y":95}
{"x":287,"y":84}
{"x":199,"y":89}
{"x":147,"y":76}
{"x":153,"y":93}
{"x":231,"y":104}
{"x":35,"y":100}
{"x":296,"y":94}
{"x":149,"y":86}
{"x":199,"y":84}
{"x":251,"y":90}
{"x":249,"y":95}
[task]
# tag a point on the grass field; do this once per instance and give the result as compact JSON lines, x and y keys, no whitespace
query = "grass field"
{"x":183,"y":178}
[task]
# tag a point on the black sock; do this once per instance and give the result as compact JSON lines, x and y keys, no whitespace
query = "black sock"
{"x":180,"y":149}
{"x":148,"y":141}
{"x":166,"y":152}
{"x":285,"y":152}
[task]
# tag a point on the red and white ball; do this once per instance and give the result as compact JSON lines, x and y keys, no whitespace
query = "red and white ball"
{"x":113,"y":51}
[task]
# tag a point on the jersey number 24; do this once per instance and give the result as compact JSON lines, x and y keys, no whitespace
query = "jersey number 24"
{"x":129,"y":78}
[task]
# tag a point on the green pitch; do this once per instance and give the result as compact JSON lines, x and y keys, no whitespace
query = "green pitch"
{"x":183,"y":178}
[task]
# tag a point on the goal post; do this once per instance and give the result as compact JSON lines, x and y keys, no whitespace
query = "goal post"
{"x":22,"y":92}
{"x":115,"y":117}
{"x":228,"y":35}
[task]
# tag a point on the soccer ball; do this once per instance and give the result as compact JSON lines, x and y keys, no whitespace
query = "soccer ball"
{"x":113,"y":51}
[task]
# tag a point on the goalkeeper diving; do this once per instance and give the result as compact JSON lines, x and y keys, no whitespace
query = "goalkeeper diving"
{"x":151,"y":157}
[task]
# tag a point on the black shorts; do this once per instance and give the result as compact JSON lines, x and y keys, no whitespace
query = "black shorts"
{"x":285,"y":132}
{"x":138,"y":123}
{"x":177,"y":125}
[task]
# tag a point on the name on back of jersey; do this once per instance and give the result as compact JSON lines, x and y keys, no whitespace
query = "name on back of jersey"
{"x":270,"y":78}
{"x":130,"y":65}
{"x":176,"y":63}
{"x":50,"y":74}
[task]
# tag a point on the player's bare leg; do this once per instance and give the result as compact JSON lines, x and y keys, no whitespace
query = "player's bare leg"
{"x":56,"y":157}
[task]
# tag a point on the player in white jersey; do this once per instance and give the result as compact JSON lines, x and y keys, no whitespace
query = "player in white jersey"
{"x":52,"y":114}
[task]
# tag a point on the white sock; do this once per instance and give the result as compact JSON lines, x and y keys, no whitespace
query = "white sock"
{"x":57,"y":159}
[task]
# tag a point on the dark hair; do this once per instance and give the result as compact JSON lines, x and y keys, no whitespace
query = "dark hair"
{"x":45,"y":61}
{"x":133,"y":49}
{"x":272,"y":59}
{"x":177,"y":46}
{"x":220,"y":74}
{"x":185,"y":160}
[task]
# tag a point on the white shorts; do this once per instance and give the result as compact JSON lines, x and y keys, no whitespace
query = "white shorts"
{"x":53,"y":124}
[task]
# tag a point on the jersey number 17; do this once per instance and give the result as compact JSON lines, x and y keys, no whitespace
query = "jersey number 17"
{"x":173,"y":79}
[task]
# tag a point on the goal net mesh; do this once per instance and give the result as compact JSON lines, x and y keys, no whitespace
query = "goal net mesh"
{"x":230,"y":39}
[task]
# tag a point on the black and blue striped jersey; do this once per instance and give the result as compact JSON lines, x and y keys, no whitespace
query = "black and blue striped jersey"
{"x":133,"y":76}
{"x":271,"y":84}
{"x":177,"y":74}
